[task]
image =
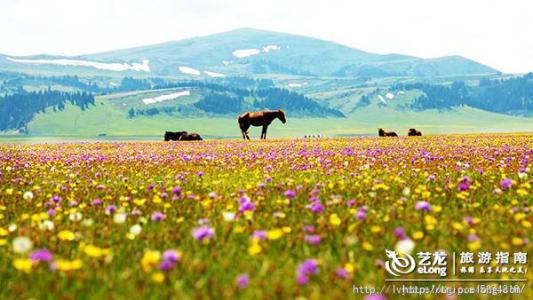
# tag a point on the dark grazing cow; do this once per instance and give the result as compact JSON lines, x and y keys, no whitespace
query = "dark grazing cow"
{"x":414,"y":132}
{"x":382,"y":132}
{"x":182,"y":136}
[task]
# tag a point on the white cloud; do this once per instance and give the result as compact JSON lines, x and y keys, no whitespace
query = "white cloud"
{"x":490,"y":31}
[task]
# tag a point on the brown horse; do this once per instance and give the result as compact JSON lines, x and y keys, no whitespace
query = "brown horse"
{"x":414,"y":132}
{"x":259,"y":118}
{"x":382,"y":132}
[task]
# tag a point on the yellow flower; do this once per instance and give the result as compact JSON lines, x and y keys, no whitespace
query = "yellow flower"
{"x":94,"y":251}
{"x":254,"y":248}
{"x":417,"y":235}
{"x":274,"y":234}
{"x":473,"y":246}
{"x":367,"y":246}
{"x":66,"y":265}
{"x":334,"y":220}
{"x":349,"y":267}
{"x":150,"y":260}
{"x":158,"y":277}
{"x":66,"y":235}
{"x":526,"y":224}
{"x":3,"y":232}
{"x":516,"y":241}
{"x":23,"y":264}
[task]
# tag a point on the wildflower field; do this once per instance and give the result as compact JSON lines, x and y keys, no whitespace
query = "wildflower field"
{"x":255,"y":220}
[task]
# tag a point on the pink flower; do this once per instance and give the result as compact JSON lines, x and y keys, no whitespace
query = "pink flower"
{"x":313,"y":239}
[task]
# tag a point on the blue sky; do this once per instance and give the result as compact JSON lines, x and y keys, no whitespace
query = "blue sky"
{"x":496,"y":33}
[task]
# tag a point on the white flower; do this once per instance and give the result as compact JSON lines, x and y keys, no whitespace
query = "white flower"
{"x":135,"y":229}
{"x":119,"y":218}
{"x":8,"y":168}
{"x":28,"y":195}
{"x":405,"y":246}
{"x":22,"y":244}
{"x":47,"y":225}
{"x":406,"y":191}
{"x":75,"y":217}
{"x":522,"y":175}
{"x":12,"y":227}
{"x":228,"y":216}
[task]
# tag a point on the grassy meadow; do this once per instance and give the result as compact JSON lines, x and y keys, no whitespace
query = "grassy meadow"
{"x":282,"y":218}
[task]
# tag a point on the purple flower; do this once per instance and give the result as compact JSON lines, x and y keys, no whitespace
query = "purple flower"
{"x":309,"y":228}
{"x":242,"y":280}
{"x":171,"y":255}
{"x":313,"y":239}
{"x":302,"y":279}
{"x":51,"y":212}
{"x":506,"y":183}
{"x":341,"y":273}
{"x":56,"y":199}
{"x":290,"y":194}
{"x":259,"y":234}
{"x":423,"y":205}
{"x":464,"y":185}
{"x":308,"y":267}
{"x":110,"y":209}
{"x":96,"y":202}
{"x":166,"y":265}
{"x":361,"y":213}
{"x":350,"y":202}
{"x":469,"y":220}
{"x":203,"y":232}
{"x":472,"y":237}
{"x":176,"y":190}
{"x":399,"y":232}
{"x":212,"y":195}
{"x":41,"y":255}
{"x":158,"y":216}
{"x":246,"y":204}
{"x":315,"y":207}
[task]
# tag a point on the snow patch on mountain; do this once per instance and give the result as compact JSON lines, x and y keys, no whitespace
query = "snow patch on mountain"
{"x":269,"y":48}
{"x":119,"y":67}
{"x":296,"y":84}
{"x":214,"y":74}
{"x":166,"y":97}
{"x":189,"y":71}
{"x":242,"y":53}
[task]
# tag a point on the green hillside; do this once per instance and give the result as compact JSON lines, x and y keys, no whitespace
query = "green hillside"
{"x":108,"y":118}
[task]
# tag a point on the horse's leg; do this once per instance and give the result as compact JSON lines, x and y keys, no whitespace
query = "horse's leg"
{"x":264,"y":134}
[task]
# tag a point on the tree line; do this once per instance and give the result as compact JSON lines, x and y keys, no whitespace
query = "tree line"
{"x":18,"y":109}
{"x":513,"y":95}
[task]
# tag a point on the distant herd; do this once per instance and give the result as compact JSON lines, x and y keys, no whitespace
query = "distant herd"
{"x":263,"y":119}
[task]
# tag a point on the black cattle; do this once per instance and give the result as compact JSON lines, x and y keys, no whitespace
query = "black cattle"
{"x":182,"y":136}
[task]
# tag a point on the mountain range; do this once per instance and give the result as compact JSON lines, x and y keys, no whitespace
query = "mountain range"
{"x":246,"y":52}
